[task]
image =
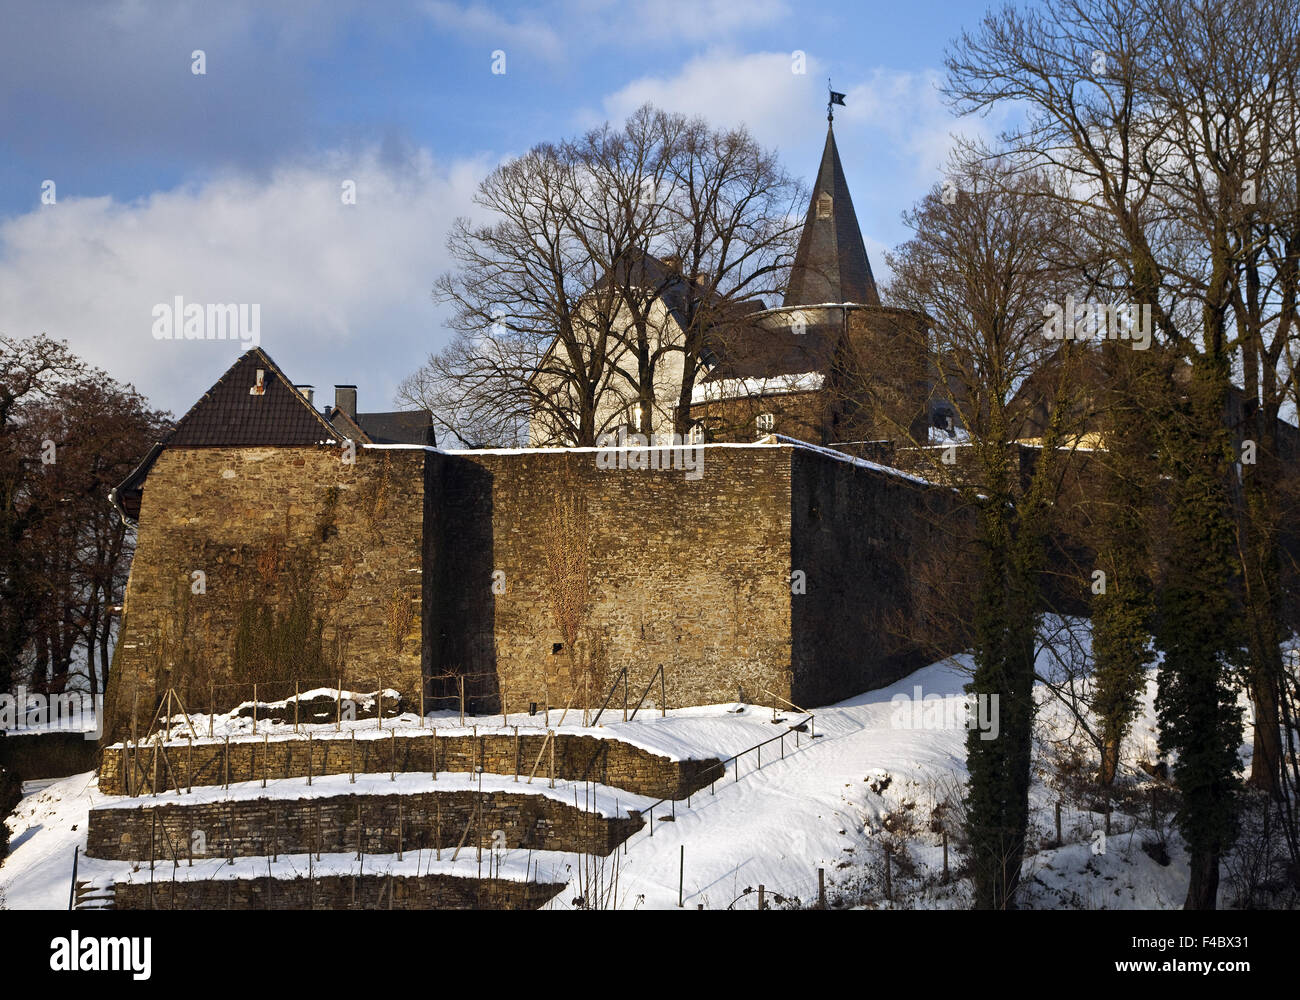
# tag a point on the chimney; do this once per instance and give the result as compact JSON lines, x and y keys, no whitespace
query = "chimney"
{"x":345,"y":399}
{"x":310,"y":392}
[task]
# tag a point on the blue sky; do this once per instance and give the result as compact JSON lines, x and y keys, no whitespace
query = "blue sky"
{"x":225,"y":186}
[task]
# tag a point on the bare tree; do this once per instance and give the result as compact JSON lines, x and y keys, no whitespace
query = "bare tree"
{"x":1170,"y":118}
{"x":560,"y":297}
{"x":981,"y":266}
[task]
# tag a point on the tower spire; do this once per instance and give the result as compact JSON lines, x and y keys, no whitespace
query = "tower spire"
{"x":831,"y":263}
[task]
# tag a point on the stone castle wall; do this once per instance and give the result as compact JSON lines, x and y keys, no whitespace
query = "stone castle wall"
{"x":872,"y":546}
{"x":311,"y":565}
{"x":338,"y":824}
{"x":577,"y":758}
{"x":333,"y":892}
{"x":690,"y":573}
{"x":535,"y":576}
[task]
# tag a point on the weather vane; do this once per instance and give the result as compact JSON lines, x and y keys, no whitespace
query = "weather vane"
{"x":835,"y":98}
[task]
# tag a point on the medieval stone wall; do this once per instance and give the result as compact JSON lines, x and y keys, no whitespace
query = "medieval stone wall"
{"x":883,"y":558}
{"x":533,"y":576}
{"x":311,"y":567}
{"x":688,"y":569}
{"x":338,"y":824}
{"x":577,"y":758}
{"x":333,"y":892}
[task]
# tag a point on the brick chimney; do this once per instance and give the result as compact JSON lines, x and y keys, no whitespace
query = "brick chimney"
{"x":345,"y":399}
{"x":309,"y":391}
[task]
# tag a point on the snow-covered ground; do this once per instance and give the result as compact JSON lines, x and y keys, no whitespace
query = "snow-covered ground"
{"x":870,"y":777}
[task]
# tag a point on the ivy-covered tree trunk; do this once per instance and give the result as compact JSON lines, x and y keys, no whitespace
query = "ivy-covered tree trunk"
{"x":1122,"y":609}
{"x":997,"y":804}
{"x":1200,"y":629}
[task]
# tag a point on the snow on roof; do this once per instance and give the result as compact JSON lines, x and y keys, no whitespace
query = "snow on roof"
{"x":739,"y":388}
{"x":840,"y":456}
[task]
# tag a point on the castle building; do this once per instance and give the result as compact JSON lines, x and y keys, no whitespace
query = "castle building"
{"x":831,"y":365}
{"x":281,"y":546}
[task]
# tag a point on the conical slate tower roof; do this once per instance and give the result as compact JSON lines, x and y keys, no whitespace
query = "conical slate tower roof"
{"x":831,"y":265}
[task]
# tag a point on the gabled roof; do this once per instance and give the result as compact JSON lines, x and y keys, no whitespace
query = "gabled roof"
{"x":230,"y":415}
{"x":831,"y":264}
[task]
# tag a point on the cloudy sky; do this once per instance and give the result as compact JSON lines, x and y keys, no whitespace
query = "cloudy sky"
{"x":226,"y":186}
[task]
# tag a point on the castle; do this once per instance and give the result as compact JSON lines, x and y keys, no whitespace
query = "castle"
{"x":287,"y":547}
{"x":801,"y":369}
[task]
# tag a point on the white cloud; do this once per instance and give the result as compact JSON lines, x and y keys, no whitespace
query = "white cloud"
{"x":570,"y":27}
{"x":478,"y":22}
{"x":894,"y":134}
{"x":344,"y":290}
{"x":758,"y":89}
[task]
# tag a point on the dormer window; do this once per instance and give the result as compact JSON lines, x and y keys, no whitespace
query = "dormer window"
{"x":259,"y":387}
{"x":824,"y":205}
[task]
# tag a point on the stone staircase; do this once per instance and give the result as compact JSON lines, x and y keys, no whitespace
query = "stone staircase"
{"x":91,"y":895}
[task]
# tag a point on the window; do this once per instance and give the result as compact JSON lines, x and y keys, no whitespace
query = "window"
{"x":824,"y":203}
{"x":696,"y":434}
{"x":765,"y":422}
